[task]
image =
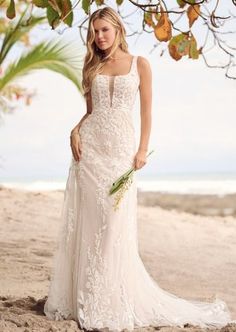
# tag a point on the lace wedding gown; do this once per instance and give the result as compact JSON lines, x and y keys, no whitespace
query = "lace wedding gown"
{"x":98,"y":277}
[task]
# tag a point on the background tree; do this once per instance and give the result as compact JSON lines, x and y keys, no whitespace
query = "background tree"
{"x":184,"y":28}
{"x":189,"y":28}
{"x":54,"y":55}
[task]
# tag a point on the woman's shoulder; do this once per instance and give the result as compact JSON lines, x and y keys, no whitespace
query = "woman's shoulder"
{"x":143,"y":63}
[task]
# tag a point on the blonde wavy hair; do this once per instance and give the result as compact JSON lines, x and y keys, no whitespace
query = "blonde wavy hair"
{"x":95,"y":58}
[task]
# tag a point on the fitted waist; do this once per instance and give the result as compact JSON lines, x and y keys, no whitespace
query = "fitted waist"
{"x":110,"y":109}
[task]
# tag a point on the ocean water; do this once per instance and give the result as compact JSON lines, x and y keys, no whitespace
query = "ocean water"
{"x":218,"y":184}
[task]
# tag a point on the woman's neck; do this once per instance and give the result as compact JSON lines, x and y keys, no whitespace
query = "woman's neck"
{"x":117,"y":55}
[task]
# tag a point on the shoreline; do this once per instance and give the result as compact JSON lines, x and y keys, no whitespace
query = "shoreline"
{"x":198,"y":204}
{"x":190,"y":255}
{"x":202,"y":204}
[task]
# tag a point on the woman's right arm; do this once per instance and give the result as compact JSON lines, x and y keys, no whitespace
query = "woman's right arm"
{"x":89,"y":111}
{"x":74,"y":136}
{"x":75,"y":130}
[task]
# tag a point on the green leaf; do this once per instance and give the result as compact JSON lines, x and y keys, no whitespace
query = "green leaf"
{"x":11,"y":10}
{"x":56,"y":5}
{"x":148,"y":19}
{"x":99,"y":2}
{"x":53,"y":17}
{"x":120,"y":181}
{"x":67,"y":12}
{"x":193,"y":52}
{"x":119,"y":2}
{"x":53,"y":55}
{"x":181,"y":3}
{"x":86,"y":6}
{"x":40,"y":3}
{"x":183,"y":45}
{"x":176,"y":39}
{"x":15,"y":32}
{"x":178,"y":46}
{"x":114,"y":189}
{"x":123,"y":176}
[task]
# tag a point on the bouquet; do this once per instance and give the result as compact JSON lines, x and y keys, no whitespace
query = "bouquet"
{"x":122,"y":184}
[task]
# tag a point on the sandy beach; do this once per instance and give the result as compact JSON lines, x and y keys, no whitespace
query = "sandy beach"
{"x":188,"y":245}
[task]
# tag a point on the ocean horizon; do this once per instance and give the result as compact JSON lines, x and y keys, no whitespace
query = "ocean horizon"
{"x":184,"y":183}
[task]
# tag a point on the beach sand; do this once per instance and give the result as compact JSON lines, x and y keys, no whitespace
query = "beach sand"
{"x":190,"y":255}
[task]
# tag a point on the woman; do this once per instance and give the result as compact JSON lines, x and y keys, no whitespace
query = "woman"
{"x":99,"y":278}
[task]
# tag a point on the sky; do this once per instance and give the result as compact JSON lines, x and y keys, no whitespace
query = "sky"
{"x":193,"y":118}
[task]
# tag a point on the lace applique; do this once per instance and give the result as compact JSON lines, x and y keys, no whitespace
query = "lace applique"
{"x":111,"y":89}
{"x":70,"y":224}
{"x":95,"y":303}
{"x":98,"y":277}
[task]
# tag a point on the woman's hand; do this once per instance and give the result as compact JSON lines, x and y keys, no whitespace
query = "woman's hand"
{"x":75,"y":145}
{"x":139,"y":159}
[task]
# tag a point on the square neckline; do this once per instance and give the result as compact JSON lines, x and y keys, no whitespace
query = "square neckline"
{"x":132,"y":61}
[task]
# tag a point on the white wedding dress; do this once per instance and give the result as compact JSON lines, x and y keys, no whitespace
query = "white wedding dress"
{"x":98,"y":277}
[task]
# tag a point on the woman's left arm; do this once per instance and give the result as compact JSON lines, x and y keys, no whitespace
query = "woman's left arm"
{"x":145,"y":88}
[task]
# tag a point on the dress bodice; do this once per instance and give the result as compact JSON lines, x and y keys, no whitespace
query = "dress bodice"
{"x":115,"y":92}
{"x":110,"y":126}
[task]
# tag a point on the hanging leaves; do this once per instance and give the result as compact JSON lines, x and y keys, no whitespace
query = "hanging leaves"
{"x":99,"y":2}
{"x":193,"y":13}
{"x":86,"y":6}
{"x":163,"y":30}
{"x":178,"y":46}
{"x":148,"y":19}
{"x":157,"y":16}
{"x":67,"y":13}
{"x":11,"y":10}
{"x":53,"y":17}
{"x":57,"y":11}
{"x":193,"y":52}
{"x":40,"y":3}
{"x":182,"y":45}
{"x":160,"y":18}
{"x":56,"y":5}
{"x":181,"y":3}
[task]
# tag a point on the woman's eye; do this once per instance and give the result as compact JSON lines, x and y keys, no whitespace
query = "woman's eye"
{"x":104,"y":30}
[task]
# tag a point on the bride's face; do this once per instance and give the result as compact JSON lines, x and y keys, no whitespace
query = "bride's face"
{"x":105,"y":33}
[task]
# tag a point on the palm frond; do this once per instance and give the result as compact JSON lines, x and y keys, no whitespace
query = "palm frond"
{"x":53,"y":55}
{"x":14,"y":33}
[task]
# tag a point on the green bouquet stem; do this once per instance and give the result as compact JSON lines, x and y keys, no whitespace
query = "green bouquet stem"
{"x":123,"y":183}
